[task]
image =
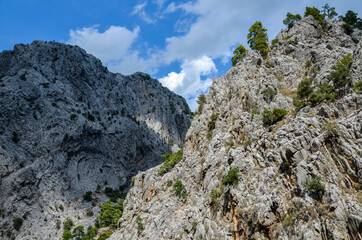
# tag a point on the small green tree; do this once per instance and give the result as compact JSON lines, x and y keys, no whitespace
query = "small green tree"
{"x":316,"y":14}
{"x":232,"y":177}
{"x":329,"y":11}
{"x":291,"y":19}
{"x":239,"y":54}
{"x":169,"y":161}
{"x":201,"y":101}
{"x":110,"y":214}
{"x":68,"y":224}
{"x":179,"y":189}
{"x":305,"y":88}
{"x":341,"y":76}
{"x":88,"y":196}
{"x":78,"y":233}
{"x":351,"y":21}
{"x":258,"y":38}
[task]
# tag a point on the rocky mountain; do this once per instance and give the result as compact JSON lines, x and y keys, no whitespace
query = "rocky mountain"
{"x":69,"y":126}
{"x":273,"y":153}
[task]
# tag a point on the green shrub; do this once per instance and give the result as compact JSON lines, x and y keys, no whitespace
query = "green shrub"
{"x":171,"y":142}
{"x":324,"y":92}
{"x":258,"y":38}
{"x":68,"y":224}
{"x":308,"y":64}
{"x":179,"y":189}
{"x":315,"y":187}
{"x":215,"y":195}
{"x":132,"y":181}
{"x":269,"y":94}
{"x":269,"y":64}
{"x":169,"y":183}
{"x":23,"y":77}
{"x":341,"y":76}
{"x":58,"y":222}
{"x":78,"y":232}
{"x":316,"y":14}
{"x":73,"y":116}
{"x":90,"y":117}
{"x":291,"y":19}
{"x":15,"y":138}
{"x":105,"y":235}
{"x":332,"y":129}
{"x":232,"y":177}
{"x":294,"y":42}
{"x":211,"y":124}
{"x":169,"y":161}
{"x":110,"y":214}
{"x":239,"y":54}
{"x":112,"y":194}
{"x":358,"y":87}
{"x":17,"y":223}
{"x":89,"y":213}
{"x":271,"y":117}
{"x":91,"y":233}
{"x":274,"y":42}
{"x":87,"y":196}
{"x":61,"y":207}
{"x":140,"y":225}
{"x":67,"y":235}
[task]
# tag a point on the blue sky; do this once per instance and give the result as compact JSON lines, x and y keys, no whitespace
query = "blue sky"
{"x":184,"y":44}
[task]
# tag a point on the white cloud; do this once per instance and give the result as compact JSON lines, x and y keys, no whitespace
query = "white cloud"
{"x":188,"y":82}
{"x":110,"y":45}
{"x":139,"y":10}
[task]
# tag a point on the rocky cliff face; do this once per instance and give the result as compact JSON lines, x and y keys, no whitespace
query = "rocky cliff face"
{"x":297,"y":178}
{"x":69,"y":126}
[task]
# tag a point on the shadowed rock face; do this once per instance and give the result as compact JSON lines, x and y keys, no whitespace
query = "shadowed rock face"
{"x":272,"y":198}
{"x":68,"y":126}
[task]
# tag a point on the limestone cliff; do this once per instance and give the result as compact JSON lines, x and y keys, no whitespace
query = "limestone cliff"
{"x":295,"y":177}
{"x":69,"y":126}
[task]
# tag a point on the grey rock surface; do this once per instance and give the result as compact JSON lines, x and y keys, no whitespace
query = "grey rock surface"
{"x":271,"y":199}
{"x":68,"y":126}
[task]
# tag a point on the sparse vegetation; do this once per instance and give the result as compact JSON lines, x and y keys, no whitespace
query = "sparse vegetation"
{"x":169,"y":161}
{"x":271,"y":117}
{"x":332,"y":129}
{"x":17,"y":223}
{"x":215,"y":195}
{"x":140,"y":225}
{"x":274,"y":42}
{"x":315,"y":187}
{"x":232,"y":177}
{"x":179,"y":189}
{"x":358,"y":87}
{"x":211,"y":124}
{"x":340,"y":76}
{"x":105,"y":235}
{"x":87,"y":196}
{"x":269,"y":94}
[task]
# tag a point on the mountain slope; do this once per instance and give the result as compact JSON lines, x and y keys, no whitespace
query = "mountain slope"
{"x":298,"y":177}
{"x":69,"y":126}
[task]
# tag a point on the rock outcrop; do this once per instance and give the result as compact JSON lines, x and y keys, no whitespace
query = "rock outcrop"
{"x":298,"y":178}
{"x":69,"y":126}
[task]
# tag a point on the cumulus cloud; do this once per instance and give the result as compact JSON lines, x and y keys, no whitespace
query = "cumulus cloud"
{"x":192,"y":80}
{"x":110,"y":45}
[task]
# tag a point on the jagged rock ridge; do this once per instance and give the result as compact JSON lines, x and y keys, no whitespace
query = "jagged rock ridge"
{"x":276,"y":164}
{"x":69,"y":126}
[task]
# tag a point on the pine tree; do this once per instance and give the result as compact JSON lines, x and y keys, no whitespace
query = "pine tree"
{"x":239,"y":54}
{"x":258,"y":39}
{"x":291,"y":19}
